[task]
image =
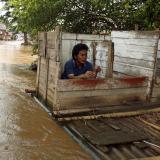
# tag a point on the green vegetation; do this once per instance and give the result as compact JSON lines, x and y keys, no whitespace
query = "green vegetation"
{"x":81,"y":16}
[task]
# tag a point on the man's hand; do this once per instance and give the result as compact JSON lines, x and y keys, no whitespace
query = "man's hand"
{"x":90,"y":74}
{"x":87,"y":75}
{"x":98,"y":69}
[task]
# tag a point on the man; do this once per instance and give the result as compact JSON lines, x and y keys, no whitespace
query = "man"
{"x":78,"y":67}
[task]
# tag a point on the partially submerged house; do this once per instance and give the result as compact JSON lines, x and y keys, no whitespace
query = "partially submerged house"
{"x":129,"y":62}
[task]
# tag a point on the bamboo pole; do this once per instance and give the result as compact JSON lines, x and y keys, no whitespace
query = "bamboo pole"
{"x":151,"y":124}
{"x":111,"y":115}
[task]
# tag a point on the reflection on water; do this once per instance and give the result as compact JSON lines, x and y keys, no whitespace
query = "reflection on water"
{"x":26,"y":131}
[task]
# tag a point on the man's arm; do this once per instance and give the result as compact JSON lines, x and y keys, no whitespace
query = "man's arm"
{"x":86,"y":75}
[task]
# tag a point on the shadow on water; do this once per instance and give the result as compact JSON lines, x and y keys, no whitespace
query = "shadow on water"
{"x":26,"y":131}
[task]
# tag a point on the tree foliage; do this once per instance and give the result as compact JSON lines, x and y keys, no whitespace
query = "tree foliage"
{"x":83,"y":16}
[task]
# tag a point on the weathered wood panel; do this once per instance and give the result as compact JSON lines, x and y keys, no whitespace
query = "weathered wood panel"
{"x":51,"y":39}
{"x":69,"y":36}
{"x":156,"y":89}
{"x":43,"y":77}
{"x":156,"y":86}
{"x":52,"y":54}
{"x":133,"y":61}
{"x":42,"y":43}
{"x":99,"y":84}
{"x":158,"y":68}
{"x":50,"y":95}
{"x":133,"y":41}
{"x":158,"y":54}
{"x":48,"y":76}
{"x":93,"y":99}
{"x":54,"y":72}
{"x":99,"y":92}
{"x":147,"y":50}
{"x":88,"y":37}
{"x":136,"y":35}
{"x":51,"y":81}
{"x":38,"y":75}
{"x":123,"y":52}
{"x":52,"y":75}
{"x":102,"y":92}
{"x":135,"y":52}
{"x":156,"y":92}
{"x":132,"y":69}
{"x":52,"y":45}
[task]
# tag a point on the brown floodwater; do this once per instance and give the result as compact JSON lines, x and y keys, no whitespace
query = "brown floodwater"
{"x":26,"y":130}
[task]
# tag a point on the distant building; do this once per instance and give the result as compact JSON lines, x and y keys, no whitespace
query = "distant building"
{"x":2,"y":31}
{"x":4,"y":34}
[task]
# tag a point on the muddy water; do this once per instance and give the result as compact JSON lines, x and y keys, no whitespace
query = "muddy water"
{"x":26,"y":130}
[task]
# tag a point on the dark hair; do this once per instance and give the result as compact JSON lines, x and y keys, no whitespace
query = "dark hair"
{"x":77,"y":48}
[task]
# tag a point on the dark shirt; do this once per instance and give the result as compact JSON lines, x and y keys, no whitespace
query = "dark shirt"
{"x":72,"y":68}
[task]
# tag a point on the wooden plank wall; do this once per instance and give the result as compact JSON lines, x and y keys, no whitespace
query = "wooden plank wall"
{"x":100,"y":52}
{"x":48,"y":69}
{"x":134,"y":52}
{"x":83,"y":94}
{"x":55,"y":49}
{"x":42,"y":78}
{"x":41,"y":64}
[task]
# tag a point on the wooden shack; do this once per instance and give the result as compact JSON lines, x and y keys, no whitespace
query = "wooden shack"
{"x":128,"y":61}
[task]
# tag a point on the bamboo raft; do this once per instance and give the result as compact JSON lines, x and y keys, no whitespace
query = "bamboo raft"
{"x":135,"y":137}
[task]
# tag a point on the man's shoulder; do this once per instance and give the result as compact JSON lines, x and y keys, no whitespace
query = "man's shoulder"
{"x":88,"y":63}
{"x":69,"y":62}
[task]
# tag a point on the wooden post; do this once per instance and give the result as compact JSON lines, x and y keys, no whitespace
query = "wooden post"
{"x":58,"y":46}
{"x":38,"y":74}
{"x":94,"y":44}
{"x":47,"y":74}
{"x":153,"y":78}
{"x":58,"y":43}
{"x":110,"y":59}
{"x":45,"y":44}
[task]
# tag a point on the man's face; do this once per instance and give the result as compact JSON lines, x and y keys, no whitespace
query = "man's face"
{"x":81,"y":58}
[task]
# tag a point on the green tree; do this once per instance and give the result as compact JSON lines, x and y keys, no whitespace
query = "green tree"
{"x":83,"y":16}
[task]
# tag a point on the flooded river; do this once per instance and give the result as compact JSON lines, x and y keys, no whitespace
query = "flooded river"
{"x":26,"y":130}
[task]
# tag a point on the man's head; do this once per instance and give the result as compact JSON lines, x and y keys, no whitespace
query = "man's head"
{"x":79,"y":53}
